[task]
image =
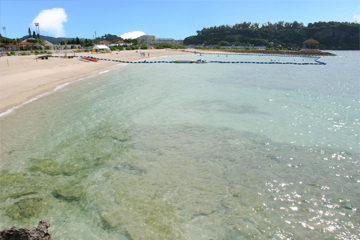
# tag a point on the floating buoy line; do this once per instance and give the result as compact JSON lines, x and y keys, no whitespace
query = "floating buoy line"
{"x":316,"y":59}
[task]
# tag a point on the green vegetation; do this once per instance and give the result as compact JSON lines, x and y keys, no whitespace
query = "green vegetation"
{"x":88,"y":43}
{"x":169,"y":45}
{"x":108,"y":37}
{"x":40,"y":41}
{"x":331,"y":35}
{"x":5,"y":40}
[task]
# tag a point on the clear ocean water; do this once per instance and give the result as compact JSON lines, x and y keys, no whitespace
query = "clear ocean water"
{"x":190,"y":151}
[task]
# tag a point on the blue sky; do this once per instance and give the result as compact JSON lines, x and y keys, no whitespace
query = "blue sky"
{"x":164,"y":19}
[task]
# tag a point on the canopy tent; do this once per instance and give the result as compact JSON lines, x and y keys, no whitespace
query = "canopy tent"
{"x":102,"y":47}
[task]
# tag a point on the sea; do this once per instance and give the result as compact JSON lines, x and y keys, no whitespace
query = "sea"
{"x":216,"y":151}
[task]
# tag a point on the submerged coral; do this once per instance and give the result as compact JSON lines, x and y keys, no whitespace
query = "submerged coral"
{"x":69,"y":192}
{"x":28,"y":207}
{"x":47,"y":165}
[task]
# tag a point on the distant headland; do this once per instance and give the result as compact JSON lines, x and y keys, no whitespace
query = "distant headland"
{"x":281,"y":35}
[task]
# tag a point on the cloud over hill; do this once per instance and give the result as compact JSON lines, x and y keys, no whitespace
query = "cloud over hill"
{"x":51,"y":21}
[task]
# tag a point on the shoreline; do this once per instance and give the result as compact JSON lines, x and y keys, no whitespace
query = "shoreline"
{"x":25,"y":78}
{"x":270,"y":52}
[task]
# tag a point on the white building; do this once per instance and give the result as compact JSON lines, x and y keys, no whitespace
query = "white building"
{"x":165,"y":40}
{"x":146,"y":39}
{"x":119,"y":43}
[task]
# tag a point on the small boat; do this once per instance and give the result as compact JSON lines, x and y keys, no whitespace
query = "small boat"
{"x":184,"y":61}
{"x":200,"y":61}
{"x":89,"y":59}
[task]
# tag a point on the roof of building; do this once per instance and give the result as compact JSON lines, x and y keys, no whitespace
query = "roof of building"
{"x":47,"y":43}
{"x":311,"y":41}
{"x":120,"y":41}
{"x":104,"y":42}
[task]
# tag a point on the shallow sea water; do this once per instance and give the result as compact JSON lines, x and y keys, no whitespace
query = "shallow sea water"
{"x":186,"y":151}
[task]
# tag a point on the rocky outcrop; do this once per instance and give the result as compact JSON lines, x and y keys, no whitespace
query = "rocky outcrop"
{"x":38,"y":233}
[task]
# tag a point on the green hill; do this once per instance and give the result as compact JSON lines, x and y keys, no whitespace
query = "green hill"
{"x":331,"y":35}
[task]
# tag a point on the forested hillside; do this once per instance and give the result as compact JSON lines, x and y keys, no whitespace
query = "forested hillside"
{"x":331,"y":35}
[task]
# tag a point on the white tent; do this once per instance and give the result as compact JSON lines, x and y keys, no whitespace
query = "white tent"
{"x":102,"y":47}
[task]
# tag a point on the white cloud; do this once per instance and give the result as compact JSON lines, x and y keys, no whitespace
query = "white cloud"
{"x":132,"y":35}
{"x":356,"y":18}
{"x":51,"y":21}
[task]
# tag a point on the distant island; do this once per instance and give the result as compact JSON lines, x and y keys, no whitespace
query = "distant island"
{"x":283,"y":35}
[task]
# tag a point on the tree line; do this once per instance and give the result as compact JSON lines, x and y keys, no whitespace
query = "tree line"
{"x":331,"y":35}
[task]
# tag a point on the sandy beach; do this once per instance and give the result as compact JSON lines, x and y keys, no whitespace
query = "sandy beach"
{"x":25,"y":77}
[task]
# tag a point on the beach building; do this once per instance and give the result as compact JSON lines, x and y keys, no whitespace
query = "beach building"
{"x":26,"y":45}
{"x":146,"y":39}
{"x":165,"y":40}
{"x":104,"y":42}
{"x":310,"y":45}
{"x":152,"y":40}
{"x":21,"y":46}
{"x":179,"y":42}
{"x":64,"y":47}
{"x":119,"y":43}
{"x":48,"y":45}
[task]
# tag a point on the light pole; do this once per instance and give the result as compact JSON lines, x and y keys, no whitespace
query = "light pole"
{"x":37,"y":28}
{"x":4,"y":29}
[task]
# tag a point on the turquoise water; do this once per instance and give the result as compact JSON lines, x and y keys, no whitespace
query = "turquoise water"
{"x":190,"y":151}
